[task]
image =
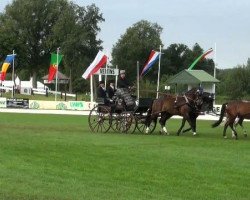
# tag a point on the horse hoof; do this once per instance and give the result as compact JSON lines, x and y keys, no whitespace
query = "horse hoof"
{"x":225,"y":137}
{"x":194,"y":134}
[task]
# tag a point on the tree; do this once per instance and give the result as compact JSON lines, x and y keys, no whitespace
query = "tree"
{"x":231,"y":88}
{"x":76,"y":31}
{"x":36,"y":28}
{"x":135,"y":45}
{"x":174,"y":59}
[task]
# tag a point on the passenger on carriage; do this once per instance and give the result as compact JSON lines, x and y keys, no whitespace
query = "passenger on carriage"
{"x":123,"y":81}
{"x":101,"y":92}
{"x":111,"y":89}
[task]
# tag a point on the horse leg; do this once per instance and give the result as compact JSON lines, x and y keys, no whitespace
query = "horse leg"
{"x":149,"y":119}
{"x":193,"y":125}
{"x":188,"y":129}
{"x":240,"y":122}
{"x":182,"y":125}
{"x":233,"y":131}
{"x":225,"y":128}
{"x":164,"y":117}
{"x":162,"y":122}
{"x":192,"y":122}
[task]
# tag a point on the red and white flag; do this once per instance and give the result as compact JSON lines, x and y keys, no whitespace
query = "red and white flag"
{"x":99,"y":61}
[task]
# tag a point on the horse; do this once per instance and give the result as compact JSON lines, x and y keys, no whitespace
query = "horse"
{"x":169,"y":105}
{"x":207,"y":105}
{"x":233,"y":110}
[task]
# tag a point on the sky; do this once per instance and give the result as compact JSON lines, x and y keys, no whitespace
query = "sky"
{"x":223,"y":25}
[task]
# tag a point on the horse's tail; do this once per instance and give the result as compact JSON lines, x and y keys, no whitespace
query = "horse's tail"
{"x":222,"y":112}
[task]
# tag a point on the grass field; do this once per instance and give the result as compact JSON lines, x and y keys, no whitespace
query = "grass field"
{"x":56,"y":157}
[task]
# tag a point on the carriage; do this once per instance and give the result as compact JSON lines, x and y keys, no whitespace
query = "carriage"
{"x":124,"y":115}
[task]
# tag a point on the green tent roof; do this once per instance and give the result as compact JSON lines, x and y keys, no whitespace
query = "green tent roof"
{"x":192,"y":77}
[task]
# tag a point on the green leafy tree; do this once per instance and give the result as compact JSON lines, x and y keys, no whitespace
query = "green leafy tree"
{"x":135,"y":45}
{"x":174,"y":58}
{"x":36,"y":28}
{"x":76,"y":32}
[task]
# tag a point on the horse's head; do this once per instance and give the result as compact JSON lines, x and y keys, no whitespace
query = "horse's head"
{"x":196,"y":95}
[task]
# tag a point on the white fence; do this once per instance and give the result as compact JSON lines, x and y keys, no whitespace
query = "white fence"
{"x":39,"y":91}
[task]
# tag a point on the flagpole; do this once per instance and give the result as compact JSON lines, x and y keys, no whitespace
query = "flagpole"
{"x":158,"y":81}
{"x":138,"y":82}
{"x":215,"y":61}
{"x":116,"y":77}
{"x":91,"y":89}
{"x":13,"y":74}
{"x":106,"y":71}
{"x":57,"y":65}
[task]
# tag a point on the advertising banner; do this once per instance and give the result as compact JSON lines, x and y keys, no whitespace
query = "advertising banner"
{"x":2,"y":102}
{"x":17,"y":103}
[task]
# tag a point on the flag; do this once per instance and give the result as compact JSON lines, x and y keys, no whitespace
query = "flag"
{"x":53,"y":66}
{"x":200,"y":58}
{"x":153,"y":57}
{"x":9,"y":59}
{"x":98,"y":62}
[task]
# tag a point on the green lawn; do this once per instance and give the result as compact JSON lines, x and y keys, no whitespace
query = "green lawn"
{"x":56,"y":157}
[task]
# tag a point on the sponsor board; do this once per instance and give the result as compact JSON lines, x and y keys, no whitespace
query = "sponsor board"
{"x":216,"y":109}
{"x":3,"y":102}
{"x":61,"y":105}
{"x":17,"y":103}
{"x":76,"y":105}
{"x":108,"y":71}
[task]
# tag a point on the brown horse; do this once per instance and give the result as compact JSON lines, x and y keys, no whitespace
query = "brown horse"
{"x":207,"y":105}
{"x":169,"y":105}
{"x":233,"y":110}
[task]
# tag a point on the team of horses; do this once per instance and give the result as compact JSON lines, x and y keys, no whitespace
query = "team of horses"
{"x":190,"y":105}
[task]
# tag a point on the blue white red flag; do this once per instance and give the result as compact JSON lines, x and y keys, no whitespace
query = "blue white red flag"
{"x":153,"y":57}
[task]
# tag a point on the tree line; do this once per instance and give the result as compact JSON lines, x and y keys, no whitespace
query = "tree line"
{"x":34,"y":29}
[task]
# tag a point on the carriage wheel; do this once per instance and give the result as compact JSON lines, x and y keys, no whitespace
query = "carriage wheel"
{"x":99,"y":119}
{"x":141,"y":126}
{"x":116,"y":120}
{"x":127,"y":123}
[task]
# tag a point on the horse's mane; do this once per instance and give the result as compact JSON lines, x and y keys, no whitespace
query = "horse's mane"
{"x":192,"y":91}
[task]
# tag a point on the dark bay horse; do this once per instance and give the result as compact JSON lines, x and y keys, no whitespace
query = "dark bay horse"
{"x":235,"y":109}
{"x":207,"y":105}
{"x":169,"y":105}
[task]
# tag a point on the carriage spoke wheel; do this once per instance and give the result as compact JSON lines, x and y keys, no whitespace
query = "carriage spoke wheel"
{"x":127,"y":123}
{"x":141,"y":125}
{"x":116,"y":121}
{"x":99,"y":119}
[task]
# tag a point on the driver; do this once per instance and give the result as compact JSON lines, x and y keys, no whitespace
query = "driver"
{"x":123,"y":81}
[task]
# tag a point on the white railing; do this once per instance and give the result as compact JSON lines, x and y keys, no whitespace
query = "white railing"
{"x":40,"y":91}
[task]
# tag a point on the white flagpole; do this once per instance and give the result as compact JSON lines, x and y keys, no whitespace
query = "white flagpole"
{"x":215,"y":64}
{"x":138,"y":82}
{"x":91,"y":89}
{"x":106,"y":71}
{"x":116,"y":77}
{"x":159,"y":70}
{"x":13,"y":74}
{"x":57,"y":65}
